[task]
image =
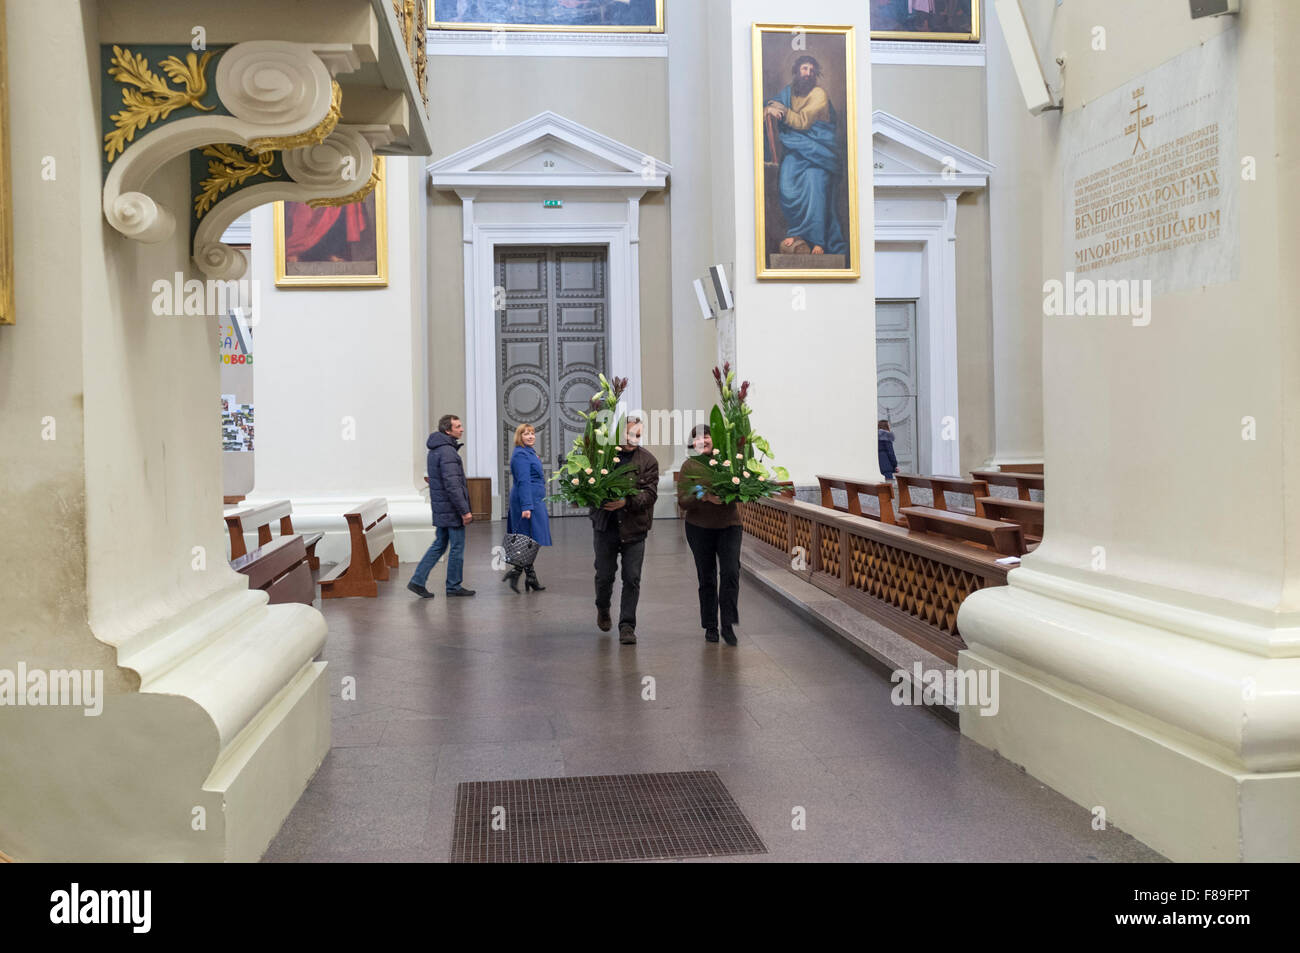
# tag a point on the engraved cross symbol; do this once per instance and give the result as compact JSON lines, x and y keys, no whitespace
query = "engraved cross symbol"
{"x":1136,"y":112}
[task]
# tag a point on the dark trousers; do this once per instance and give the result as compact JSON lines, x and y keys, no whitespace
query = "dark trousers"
{"x":717,"y":557}
{"x":608,"y":548}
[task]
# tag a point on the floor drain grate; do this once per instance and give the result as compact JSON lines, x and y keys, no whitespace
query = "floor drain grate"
{"x":610,"y":817}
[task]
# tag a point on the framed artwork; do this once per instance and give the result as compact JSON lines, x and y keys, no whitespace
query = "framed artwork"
{"x":956,"y":21}
{"x":6,"y":205}
{"x":575,"y":16}
{"x":340,"y":246}
{"x":805,"y":152}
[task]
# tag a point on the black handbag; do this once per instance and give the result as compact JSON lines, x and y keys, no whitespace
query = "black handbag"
{"x":520,"y":550}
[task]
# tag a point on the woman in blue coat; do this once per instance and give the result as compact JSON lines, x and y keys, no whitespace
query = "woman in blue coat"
{"x":527,"y":501}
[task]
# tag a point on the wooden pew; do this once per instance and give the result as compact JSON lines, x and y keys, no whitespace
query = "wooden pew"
{"x":1005,"y":538}
{"x":373,"y":554}
{"x":280,"y":568}
{"x":883,"y":492}
{"x":938,"y":486}
{"x":1027,"y":515}
{"x":1023,"y":482}
{"x":259,"y":519}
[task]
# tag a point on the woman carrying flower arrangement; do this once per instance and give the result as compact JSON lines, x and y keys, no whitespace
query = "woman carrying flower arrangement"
{"x":714,"y":533}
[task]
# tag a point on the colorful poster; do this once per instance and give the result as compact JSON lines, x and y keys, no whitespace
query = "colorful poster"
{"x":236,"y":425}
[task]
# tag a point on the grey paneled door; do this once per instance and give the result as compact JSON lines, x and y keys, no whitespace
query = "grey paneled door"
{"x":552,"y":342}
{"x":896,"y":380}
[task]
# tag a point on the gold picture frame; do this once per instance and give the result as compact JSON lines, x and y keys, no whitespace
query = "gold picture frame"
{"x":435,"y":24}
{"x":316,"y":272}
{"x":936,"y":36}
{"x":7,"y":315}
{"x":777,"y":49}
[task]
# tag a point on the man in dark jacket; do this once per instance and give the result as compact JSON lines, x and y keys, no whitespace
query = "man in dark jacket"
{"x":449,"y":497}
{"x":622,"y":527}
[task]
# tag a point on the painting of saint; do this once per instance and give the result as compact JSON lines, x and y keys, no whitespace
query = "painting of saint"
{"x":339,"y":245}
{"x":806,"y":174}
{"x":952,"y":20}
{"x":616,"y":16}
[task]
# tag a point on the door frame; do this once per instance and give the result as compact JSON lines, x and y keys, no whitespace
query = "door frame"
{"x":936,"y":333}
{"x":623,"y":276}
{"x":922,"y":448}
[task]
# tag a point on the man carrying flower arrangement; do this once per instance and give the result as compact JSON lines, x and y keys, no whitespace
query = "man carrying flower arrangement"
{"x":620,"y":529}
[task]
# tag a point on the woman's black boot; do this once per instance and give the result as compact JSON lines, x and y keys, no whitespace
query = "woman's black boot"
{"x":512,"y":577}
{"x":531,"y":581}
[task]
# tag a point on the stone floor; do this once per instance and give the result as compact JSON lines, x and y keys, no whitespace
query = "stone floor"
{"x":513,"y":686}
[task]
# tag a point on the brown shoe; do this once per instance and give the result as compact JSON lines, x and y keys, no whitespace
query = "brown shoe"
{"x":603,"y":621}
{"x":626,"y":634}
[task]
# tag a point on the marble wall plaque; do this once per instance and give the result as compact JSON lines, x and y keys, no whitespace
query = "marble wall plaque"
{"x":1151,"y":174}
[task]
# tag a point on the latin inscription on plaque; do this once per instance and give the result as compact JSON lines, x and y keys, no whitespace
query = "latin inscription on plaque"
{"x":1151,"y":174}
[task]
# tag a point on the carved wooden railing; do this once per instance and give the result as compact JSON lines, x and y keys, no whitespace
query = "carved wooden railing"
{"x":911,"y":583}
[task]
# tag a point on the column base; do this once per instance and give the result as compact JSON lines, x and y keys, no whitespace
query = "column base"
{"x":264,"y":772}
{"x":411,"y":517}
{"x":1152,"y":725}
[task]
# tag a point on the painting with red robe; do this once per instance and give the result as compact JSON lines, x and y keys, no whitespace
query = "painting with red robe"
{"x":340,"y":245}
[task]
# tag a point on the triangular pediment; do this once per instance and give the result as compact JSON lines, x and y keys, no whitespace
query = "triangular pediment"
{"x":549,"y":150}
{"x":906,"y":155}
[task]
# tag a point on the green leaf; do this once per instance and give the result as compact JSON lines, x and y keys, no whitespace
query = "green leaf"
{"x":782,"y":473}
{"x":718,"y":427}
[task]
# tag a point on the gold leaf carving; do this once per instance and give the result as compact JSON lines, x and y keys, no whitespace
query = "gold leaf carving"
{"x":313,"y":136}
{"x":146,"y":97}
{"x":356,"y":196}
{"x":229,"y":169}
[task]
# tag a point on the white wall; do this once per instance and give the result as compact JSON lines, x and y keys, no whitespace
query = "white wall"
{"x":813,"y":371}
{"x":327,"y":355}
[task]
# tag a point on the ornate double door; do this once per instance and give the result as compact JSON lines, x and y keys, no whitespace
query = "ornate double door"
{"x":552,"y":341}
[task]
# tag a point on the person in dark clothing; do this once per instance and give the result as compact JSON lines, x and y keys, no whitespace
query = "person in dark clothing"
{"x":714,"y":533}
{"x":621,"y":528}
{"x":449,"y":499}
{"x":885,"y":450}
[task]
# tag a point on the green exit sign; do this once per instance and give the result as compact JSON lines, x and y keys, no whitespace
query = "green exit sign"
{"x":553,"y":203}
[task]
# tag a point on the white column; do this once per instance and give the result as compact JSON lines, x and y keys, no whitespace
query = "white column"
{"x":1148,"y":652}
{"x":1019,"y":150}
{"x":945,"y":421}
{"x":809,"y":347}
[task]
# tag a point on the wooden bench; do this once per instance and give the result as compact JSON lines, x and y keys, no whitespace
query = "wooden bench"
{"x":1023,"y":482}
{"x":1005,"y":538}
{"x":883,"y":492}
{"x":1026,"y":514}
{"x":280,"y":569}
{"x":259,"y":520}
{"x":372,"y":555}
{"x":938,"y":486}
